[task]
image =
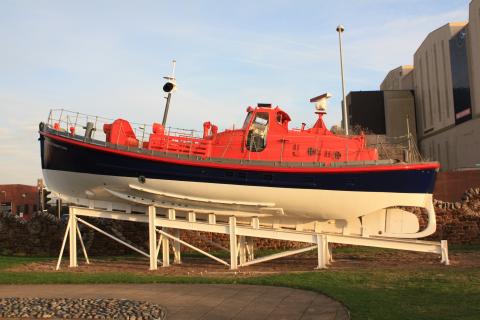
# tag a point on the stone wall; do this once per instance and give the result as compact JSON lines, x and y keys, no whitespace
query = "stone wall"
{"x":457,"y":222}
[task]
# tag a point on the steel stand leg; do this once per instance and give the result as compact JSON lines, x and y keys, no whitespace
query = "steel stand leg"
{"x":67,"y":230}
{"x":83,"y":245}
{"x":72,"y":222}
{"x":233,"y":243}
{"x":330,"y":253}
{"x":322,"y":246}
{"x":165,"y":250}
{"x":444,"y":248}
{"x":250,"y":248}
{"x":242,"y":249}
{"x":152,"y":237}
{"x":177,"y":258}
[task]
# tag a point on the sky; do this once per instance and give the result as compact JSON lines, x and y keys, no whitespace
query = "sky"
{"x":108,"y":58}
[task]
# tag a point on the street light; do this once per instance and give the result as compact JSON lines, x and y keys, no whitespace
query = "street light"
{"x":340,"y":30}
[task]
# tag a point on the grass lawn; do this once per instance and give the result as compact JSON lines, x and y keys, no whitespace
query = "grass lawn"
{"x":436,"y":292}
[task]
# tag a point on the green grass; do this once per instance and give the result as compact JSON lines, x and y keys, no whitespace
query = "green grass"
{"x":436,"y":292}
{"x":11,"y":261}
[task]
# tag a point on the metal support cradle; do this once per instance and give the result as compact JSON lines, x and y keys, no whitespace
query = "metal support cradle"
{"x":241,"y":237}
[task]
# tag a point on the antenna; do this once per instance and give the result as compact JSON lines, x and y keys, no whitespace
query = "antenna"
{"x":169,"y":87}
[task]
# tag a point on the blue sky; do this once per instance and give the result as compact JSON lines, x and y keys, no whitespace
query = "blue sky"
{"x":108,"y":57}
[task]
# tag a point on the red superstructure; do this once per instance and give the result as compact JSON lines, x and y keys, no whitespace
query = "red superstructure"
{"x":265,"y":136}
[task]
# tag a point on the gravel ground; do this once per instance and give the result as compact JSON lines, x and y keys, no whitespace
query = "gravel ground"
{"x":61,"y":308}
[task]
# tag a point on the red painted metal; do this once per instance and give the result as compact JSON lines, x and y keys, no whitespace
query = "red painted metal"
{"x":120,"y":132}
{"x":278,"y":142}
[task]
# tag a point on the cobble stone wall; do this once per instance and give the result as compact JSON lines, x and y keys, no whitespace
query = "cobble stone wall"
{"x":457,"y":222}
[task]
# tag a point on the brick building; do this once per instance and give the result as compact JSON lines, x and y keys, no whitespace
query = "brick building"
{"x":19,"y":199}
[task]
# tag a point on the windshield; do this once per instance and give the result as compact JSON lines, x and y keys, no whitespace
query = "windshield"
{"x":247,"y":120}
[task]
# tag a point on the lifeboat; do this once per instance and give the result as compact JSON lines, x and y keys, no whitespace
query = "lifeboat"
{"x":299,"y":178}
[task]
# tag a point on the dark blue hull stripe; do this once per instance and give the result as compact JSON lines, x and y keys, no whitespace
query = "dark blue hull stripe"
{"x":63,"y":156}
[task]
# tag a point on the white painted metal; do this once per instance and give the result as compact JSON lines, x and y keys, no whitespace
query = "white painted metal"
{"x":200,"y":199}
{"x":243,"y":247}
{"x":73,"y":238}
{"x":277,"y":255}
{"x":112,"y":237}
{"x":152,"y":238}
{"x":216,"y":245}
{"x":444,"y":248}
{"x":232,"y":231}
{"x":297,"y":204}
{"x":83,"y":245}
{"x":165,"y":248}
{"x":322,"y":247}
{"x":212,"y":219}
{"x":171,"y":214}
{"x":159,"y":245}
{"x":250,"y":248}
{"x":279,"y":234}
{"x":177,"y":257}
{"x":63,"y":245}
{"x":192,"y":247}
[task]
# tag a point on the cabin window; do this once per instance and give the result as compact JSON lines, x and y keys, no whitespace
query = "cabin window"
{"x":247,"y":120}
{"x":279,"y":118}
{"x":257,"y":134}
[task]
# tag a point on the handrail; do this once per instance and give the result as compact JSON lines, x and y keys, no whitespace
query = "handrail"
{"x":191,"y":142}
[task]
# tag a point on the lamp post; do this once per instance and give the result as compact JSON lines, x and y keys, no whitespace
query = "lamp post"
{"x":340,"y":30}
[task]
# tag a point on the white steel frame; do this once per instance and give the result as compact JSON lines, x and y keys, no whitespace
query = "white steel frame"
{"x":241,"y":237}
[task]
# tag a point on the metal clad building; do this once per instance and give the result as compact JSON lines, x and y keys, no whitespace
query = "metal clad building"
{"x":366,"y":110}
{"x":446,"y":83}
{"x":460,"y":79}
{"x":400,"y":78}
{"x":473,"y":45}
{"x":382,"y":112}
{"x":432,"y":77}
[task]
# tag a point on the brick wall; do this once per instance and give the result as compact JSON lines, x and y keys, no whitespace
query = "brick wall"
{"x":21,"y":198}
{"x":451,"y":185}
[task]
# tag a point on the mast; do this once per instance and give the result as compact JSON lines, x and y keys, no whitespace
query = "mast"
{"x":169,"y":87}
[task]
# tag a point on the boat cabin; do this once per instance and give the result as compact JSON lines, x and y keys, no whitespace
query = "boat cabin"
{"x":264,"y":136}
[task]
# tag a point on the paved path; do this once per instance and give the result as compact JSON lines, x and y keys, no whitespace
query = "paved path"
{"x":199,"y":301}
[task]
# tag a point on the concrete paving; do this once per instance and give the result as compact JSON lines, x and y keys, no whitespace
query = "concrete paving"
{"x":201,"y":301}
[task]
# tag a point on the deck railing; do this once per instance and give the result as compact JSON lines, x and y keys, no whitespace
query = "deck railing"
{"x":190,"y":142}
{"x":75,"y":123}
